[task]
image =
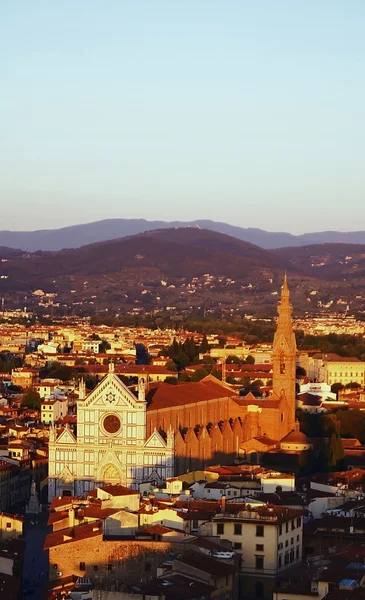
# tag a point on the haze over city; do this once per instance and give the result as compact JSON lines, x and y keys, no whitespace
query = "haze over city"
{"x":248,"y":113}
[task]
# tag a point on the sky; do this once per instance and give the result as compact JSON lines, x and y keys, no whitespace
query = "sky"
{"x":251,"y":113}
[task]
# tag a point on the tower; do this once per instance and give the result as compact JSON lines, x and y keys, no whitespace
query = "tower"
{"x":284,"y":360}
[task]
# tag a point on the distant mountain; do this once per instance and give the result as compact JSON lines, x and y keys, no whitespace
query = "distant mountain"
{"x":337,"y":262}
{"x":76,"y":236}
{"x":182,"y":270}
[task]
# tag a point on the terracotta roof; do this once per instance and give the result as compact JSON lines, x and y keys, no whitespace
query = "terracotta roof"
{"x":164,"y":395}
{"x":206,"y":564}
{"x":114,"y":490}
{"x":72,"y":534}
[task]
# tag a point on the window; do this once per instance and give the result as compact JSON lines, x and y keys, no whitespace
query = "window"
{"x":291,"y":541}
{"x":279,"y":561}
{"x":297,"y":538}
{"x":259,"y":531}
{"x":280,"y":529}
{"x":8,"y":526}
{"x":286,"y":543}
{"x":260,"y":547}
{"x":297,"y":553}
{"x":299,"y":522}
{"x":195,"y":524}
{"x":220,"y":528}
{"x":237,"y":529}
{"x":286,"y":527}
{"x":259,"y":562}
{"x":293,"y":525}
{"x":237,"y":546}
{"x":82,"y":566}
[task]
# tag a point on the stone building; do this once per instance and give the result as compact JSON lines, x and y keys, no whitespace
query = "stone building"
{"x":110,"y":445}
{"x":214,"y":424}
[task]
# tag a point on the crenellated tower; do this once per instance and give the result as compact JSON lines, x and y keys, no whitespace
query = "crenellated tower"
{"x":284,"y":360}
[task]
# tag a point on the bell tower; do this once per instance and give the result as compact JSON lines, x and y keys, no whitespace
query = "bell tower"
{"x":284,"y":360}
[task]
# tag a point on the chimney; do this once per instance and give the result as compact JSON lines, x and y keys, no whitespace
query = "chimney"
{"x":223,"y":503}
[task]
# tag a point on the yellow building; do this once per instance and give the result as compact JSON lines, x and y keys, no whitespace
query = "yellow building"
{"x":269,"y":540}
{"x":331,"y":368}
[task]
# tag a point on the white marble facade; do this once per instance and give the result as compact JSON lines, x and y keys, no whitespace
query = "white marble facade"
{"x":111,"y":444}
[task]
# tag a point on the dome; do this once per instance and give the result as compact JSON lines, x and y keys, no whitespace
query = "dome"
{"x":296,"y":437}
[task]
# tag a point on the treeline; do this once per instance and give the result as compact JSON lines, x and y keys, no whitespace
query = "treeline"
{"x":342,"y":344}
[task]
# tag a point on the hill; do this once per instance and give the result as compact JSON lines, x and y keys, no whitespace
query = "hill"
{"x":327,"y":261}
{"x":168,"y":267}
{"x":183,"y":270}
{"x":76,"y":236}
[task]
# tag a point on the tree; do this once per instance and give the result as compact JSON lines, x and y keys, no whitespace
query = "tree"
{"x":233,"y":360}
{"x":142,"y":355}
{"x":170,"y":366}
{"x":245,"y":381}
{"x":204,"y":346}
{"x":199,"y":374}
{"x":182,"y":360}
{"x":217,"y":374}
{"x":300,"y":372}
{"x":353,"y":385}
{"x":230,"y":379}
{"x":104,"y":346}
{"x":32,"y":399}
{"x":258,"y":383}
{"x":170,"y":379}
{"x":250,"y":360}
{"x":184,"y":376}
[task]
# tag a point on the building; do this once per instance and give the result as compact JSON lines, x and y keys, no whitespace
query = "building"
{"x":111,"y":445}
{"x":24,"y":378}
{"x":214,"y":424}
{"x":331,"y":368}
{"x":269,"y":540}
{"x":52,"y":410}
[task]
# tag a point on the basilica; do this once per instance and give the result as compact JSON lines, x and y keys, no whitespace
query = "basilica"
{"x":126,"y":439}
{"x":111,"y":445}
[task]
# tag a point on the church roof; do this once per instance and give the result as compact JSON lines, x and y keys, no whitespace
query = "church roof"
{"x":296,"y":437}
{"x":164,"y":395}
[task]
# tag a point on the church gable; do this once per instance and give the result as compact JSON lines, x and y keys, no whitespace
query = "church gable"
{"x":66,"y":437}
{"x":155,"y":441}
{"x":111,"y":392}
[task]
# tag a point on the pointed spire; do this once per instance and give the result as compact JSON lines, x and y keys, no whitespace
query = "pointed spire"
{"x":82,"y":389}
{"x":111,"y":367}
{"x":285,"y":288}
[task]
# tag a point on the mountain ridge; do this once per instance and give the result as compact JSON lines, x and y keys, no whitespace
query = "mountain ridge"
{"x":75,"y":236}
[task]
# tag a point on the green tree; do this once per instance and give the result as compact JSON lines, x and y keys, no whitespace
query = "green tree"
{"x":104,"y":346}
{"x":181,"y":360}
{"x":300,"y":372}
{"x":171,"y":380}
{"x":204,"y":346}
{"x":231,"y":380}
{"x":258,"y":383}
{"x":183,"y":376}
{"x":250,"y":360}
{"x":199,"y":374}
{"x":353,"y":385}
{"x":32,"y":399}
{"x":170,"y":366}
{"x":217,"y":374}
{"x":233,"y":360}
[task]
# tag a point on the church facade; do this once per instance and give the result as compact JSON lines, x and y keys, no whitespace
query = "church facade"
{"x":111,"y":445}
{"x":125,"y":440}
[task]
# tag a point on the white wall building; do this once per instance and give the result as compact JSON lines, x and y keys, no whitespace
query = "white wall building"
{"x":111,"y":445}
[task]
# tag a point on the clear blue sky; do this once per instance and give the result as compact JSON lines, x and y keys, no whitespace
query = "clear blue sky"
{"x":249,"y":112}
